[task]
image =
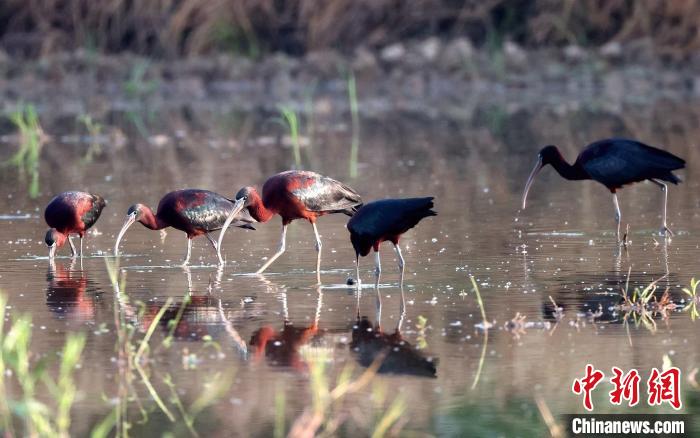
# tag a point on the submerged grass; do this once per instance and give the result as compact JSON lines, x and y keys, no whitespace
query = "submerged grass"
{"x":31,"y":138}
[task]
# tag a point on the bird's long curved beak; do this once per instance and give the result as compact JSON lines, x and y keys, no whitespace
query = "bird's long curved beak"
{"x":130,"y":219}
{"x":237,"y":207}
{"x":52,"y":251}
{"x":531,"y":178}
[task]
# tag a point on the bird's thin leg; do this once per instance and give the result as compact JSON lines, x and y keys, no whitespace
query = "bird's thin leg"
{"x":377,"y":268}
{"x":279,"y":252}
{"x":319,"y":245}
{"x":188,"y":273}
{"x":216,"y":248}
{"x":618,"y":215}
{"x":81,"y":247}
{"x":401,"y":262}
{"x":359,"y":286}
{"x":189,"y":251}
{"x":72,"y":247}
{"x":664,"y":228}
{"x":379,"y":307}
{"x":402,"y":310}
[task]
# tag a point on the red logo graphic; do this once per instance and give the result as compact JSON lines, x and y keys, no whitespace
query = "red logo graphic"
{"x":665,"y":387}
{"x":662,"y":387}
{"x":626,"y":387}
{"x":588,"y":384}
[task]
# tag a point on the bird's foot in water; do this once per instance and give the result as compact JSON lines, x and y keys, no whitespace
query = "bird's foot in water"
{"x":665,"y":232}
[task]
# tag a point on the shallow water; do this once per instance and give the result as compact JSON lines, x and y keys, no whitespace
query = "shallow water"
{"x":560,"y":250}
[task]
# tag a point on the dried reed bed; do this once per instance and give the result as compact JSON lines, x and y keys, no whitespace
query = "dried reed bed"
{"x":169,"y":28}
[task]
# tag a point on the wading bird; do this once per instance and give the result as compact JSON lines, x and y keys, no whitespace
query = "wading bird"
{"x":614,"y":163}
{"x":297,"y":194}
{"x":71,"y":213}
{"x":383,"y":220}
{"x":193,"y":211}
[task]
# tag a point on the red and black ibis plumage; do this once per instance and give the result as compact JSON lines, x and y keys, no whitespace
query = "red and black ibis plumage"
{"x":614,"y":162}
{"x":196,"y":212}
{"x":383,"y":220}
{"x":71,"y":213}
{"x":297,"y":194}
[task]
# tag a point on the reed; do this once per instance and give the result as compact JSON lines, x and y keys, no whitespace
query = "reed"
{"x":31,"y":138}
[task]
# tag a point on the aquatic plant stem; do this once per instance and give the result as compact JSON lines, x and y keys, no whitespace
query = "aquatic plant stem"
{"x":486,"y":332}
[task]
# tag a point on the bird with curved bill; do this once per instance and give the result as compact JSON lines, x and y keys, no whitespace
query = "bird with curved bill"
{"x":196,"y":212}
{"x":299,"y":194}
{"x":383,"y":220}
{"x":71,"y":213}
{"x":614,"y":162}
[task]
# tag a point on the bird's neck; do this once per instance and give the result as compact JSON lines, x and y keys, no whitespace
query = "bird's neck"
{"x":151,"y":221}
{"x":258,"y":210}
{"x":568,"y":171}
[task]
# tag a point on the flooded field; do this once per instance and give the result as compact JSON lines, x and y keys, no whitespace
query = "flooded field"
{"x":234,"y":354}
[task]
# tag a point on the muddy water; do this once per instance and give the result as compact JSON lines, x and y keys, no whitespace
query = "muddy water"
{"x":560,"y":250}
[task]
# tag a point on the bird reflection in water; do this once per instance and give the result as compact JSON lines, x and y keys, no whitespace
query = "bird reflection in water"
{"x":196,"y":317}
{"x":69,"y":293}
{"x":370,"y":342}
{"x":283,"y":348}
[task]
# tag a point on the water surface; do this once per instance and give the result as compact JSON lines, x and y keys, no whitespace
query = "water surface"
{"x":560,"y":252}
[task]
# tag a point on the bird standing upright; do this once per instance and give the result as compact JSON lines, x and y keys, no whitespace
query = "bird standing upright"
{"x":71,"y":213}
{"x":383,"y":220}
{"x":614,"y":163}
{"x":297,"y":194}
{"x":193,"y":211}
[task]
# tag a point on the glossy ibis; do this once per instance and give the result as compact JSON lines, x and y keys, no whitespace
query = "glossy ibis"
{"x":193,"y":211}
{"x":297,"y":194}
{"x":614,"y":162}
{"x":71,"y":213}
{"x":382,"y":220}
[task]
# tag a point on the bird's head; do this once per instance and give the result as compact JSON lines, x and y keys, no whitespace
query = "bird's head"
{"x":134,"y":214}
{"x":54,"y":240}
{"x":548,"y":155}
{"x":249,"y":194}
{"x":136,"y":211}
{"x":361,"y":244}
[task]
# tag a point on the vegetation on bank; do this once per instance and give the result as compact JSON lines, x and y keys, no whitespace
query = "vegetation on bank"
{"x":255,"y":27}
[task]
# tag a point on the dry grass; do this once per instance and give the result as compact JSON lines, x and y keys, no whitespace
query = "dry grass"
{"x":185,"y":27}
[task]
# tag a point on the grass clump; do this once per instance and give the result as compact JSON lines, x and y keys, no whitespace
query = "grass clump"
{"x":324,"y":417}
{"x":291,"y":121}
{"x":28,"y":415}
{"x":31,"y":138}
{"x":94,"y":130}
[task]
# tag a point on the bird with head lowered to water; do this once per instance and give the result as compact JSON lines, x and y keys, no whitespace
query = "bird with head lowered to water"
{"x":614,"y":162}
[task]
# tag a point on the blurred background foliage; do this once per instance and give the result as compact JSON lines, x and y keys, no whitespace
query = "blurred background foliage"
{"x":175,"y":28}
